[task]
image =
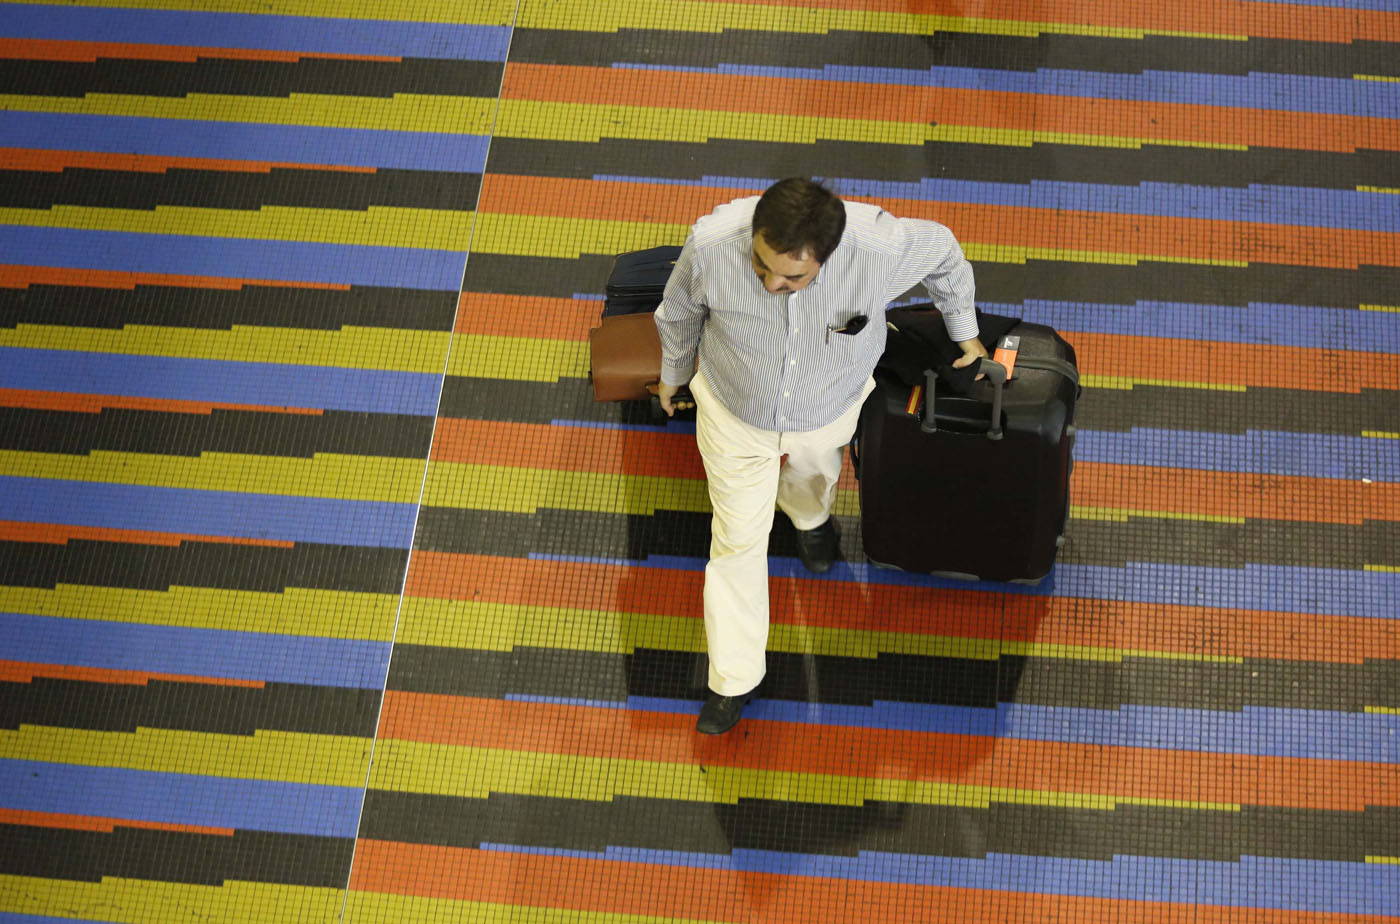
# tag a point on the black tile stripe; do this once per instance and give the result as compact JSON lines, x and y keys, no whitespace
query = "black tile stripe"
{"x":202,"y":564}
{"x":945,"y":160}
{"x":1197,"y":543}
{"x":250,"y":432}
{"x":197,"y":707}
{"x":955,"y":49}
{"x":220,"y":309}
{"x":1102,"y":283}
{"x":1231,"y":545}
{"x":852,"y":681}
{"x":1339,"y":413}
{"x":900,"y":828}
{"x":174,"y":856}
{"x":1115,"y":409}
{"x":237,"y":189}
{"x":226,"y":76}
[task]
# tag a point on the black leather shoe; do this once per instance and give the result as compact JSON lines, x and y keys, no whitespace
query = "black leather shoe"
{"x":721,"y":713}
{"x":817,"y":547}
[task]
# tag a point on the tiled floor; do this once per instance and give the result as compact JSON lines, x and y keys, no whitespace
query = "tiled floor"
{"x":327,"y":594}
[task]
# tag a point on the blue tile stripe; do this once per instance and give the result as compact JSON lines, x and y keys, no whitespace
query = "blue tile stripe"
{"x":1306,"y":455}
{"x":1267,"y":588}
{"x":238,"y":258}
{"x":1253,"y":882}
{"x":266,"y":32}
{"x":1258,"y":324}
{"x":220,"y":381}
{"x":375,"y":524}
{"x":295,"y":144}
{"x":213,"y":653}
{"x":1264,"y":92}
{"x":1281,"y":205}
{"x":180,"y":798}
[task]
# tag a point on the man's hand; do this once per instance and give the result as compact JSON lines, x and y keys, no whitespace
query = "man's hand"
{"x":666,"y":393}
{"x":973,"y":350}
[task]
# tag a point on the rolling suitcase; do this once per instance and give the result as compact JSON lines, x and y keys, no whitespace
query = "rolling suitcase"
{"x":976,"y":484}
{"x":625,"y":349}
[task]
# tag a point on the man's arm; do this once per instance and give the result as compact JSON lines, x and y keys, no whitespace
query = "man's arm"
{"x":679,"y":320}
{"x":931,"y":251}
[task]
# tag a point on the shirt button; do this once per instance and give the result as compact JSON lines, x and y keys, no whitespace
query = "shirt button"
{"x":792,"y":362}
{"x":787,"y":394}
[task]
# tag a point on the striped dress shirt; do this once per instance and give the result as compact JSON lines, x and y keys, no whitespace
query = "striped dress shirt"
{"x":773,"y":360}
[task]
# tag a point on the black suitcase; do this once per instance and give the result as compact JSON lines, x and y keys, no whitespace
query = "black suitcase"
{"x":637,"y":280}
{"x":972,"y":485}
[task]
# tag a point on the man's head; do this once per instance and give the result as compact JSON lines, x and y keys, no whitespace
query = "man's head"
{"x":796,"y":226}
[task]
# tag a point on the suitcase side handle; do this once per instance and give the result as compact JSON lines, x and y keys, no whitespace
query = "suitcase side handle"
{"x":994,"y":371}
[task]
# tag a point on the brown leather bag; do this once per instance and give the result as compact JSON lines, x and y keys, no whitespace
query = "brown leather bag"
{"x":625,"y":357}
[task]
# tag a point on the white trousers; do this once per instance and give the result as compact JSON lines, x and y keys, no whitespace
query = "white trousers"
{"x":746,"y":475}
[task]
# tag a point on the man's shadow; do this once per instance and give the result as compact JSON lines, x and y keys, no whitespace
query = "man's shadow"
{"x":875,"y":728}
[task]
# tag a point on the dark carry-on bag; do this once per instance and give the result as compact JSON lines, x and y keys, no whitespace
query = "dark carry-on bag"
{"x":967,"y":478}
{"x":638,"y":279}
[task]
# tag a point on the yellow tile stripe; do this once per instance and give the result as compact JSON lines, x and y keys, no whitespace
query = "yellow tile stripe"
{"x":526,"y":359}
{"x":377,"y":226}
{"x":552,"y":121}
{"x":570,"y":238}
{"x":334,"y":614}
{"x":145,"y":901}
{"x":490,"y":626}
{"x":1124,"y":514}
{"x":525,"y":490}
{"x":474,"y":772}
{"x":1120,"y":383}
{"x":684,"y":16}
{"x":287,"y":757}
{"x":348,"y":348}
{"x":478,"y":12}
{"x":403,"y":112}
{"x":335,"y":477}
{"x":402,"y":909}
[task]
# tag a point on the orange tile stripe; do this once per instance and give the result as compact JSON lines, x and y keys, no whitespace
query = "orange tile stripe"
{"x":25,"y":672}
{"x":784,"y":747}
{"x":1122,"y":487}
{"x":1180,"y":122}
{"x":95,"y":404}
{"x":61,"y":534}
{"x":1020,"y":618}
{"x":498,"y":315}
{"x":20,"y":277}
{"x":59,"y":50}
{"x":686,"y":893}
{"x":1210,"y":17}
{"x":1008,"y":226}
{"x":1250,"y":495}
{"x":1242,"y":364}
{"x":108,"y":825}
{"x":1118,"y":356}
{"x":54,"y":161}
{"x":578,"y":449}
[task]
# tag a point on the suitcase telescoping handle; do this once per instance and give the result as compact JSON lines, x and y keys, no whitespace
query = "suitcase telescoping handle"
{"x":994,"y":371}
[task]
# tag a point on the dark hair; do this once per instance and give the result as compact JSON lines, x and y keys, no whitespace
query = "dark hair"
{"x":796,"y":215}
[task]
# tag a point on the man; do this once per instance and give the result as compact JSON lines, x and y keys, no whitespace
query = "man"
{"x":781,"y":298}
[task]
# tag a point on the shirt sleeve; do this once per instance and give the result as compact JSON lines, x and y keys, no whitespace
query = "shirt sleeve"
{"x":680,"y":318}
{"x":931,"y":255}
